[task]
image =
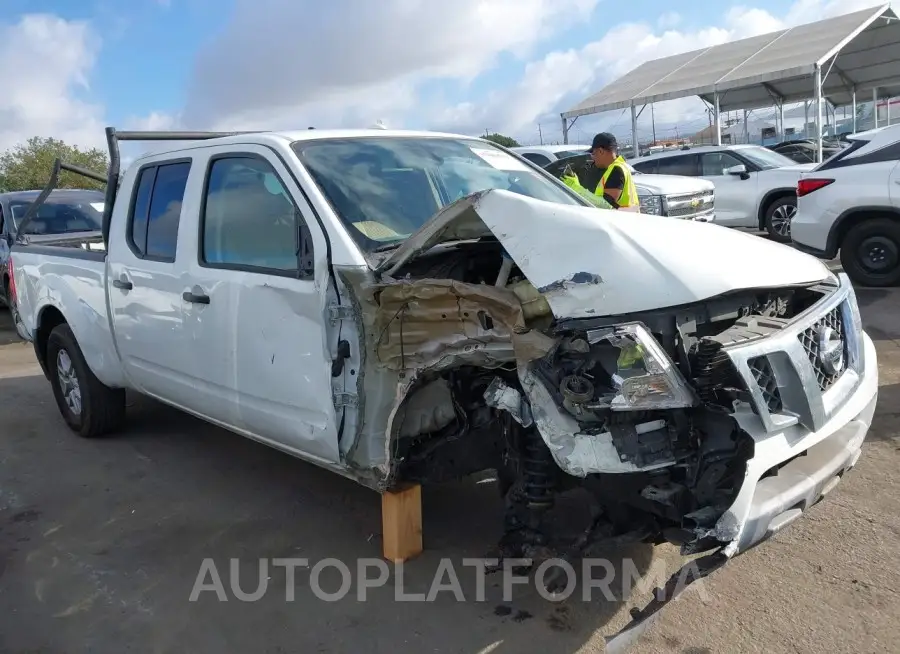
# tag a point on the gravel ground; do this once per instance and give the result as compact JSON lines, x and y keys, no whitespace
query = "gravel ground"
{"x":101,"y":543}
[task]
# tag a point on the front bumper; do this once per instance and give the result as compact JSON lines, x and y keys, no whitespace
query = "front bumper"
{"x":793,"y":468}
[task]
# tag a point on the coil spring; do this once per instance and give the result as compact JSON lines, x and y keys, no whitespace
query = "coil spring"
{"x":538,"y":472}
{"x":707,"y":351}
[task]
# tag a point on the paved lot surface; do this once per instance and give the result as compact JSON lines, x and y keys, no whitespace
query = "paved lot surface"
{"x":101,"y":544}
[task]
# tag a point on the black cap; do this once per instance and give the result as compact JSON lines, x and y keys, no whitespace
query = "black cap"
{"x":606,"y":141}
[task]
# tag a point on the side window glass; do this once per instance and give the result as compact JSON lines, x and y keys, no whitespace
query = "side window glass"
{"x":165,"y":210}
{"x":684,"y":165}
{"x":249,"y":219}
{"x":137,"y":226}
{"x":716,"y":163}
{"x":2,"y":223}
{"x":156,"y":210}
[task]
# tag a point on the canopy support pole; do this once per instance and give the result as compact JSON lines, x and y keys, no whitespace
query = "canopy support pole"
{"x":875,"y":104}
{"x":565,"y":130}
{"x":634,"y":139}
{"x":853,"y":97}
{"x":716,"y":118}
{"x":818,"y":114}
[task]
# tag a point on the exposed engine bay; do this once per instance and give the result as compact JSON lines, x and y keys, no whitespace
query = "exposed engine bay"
{"x":633,"y":409}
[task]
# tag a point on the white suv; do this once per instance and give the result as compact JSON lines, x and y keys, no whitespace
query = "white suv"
{"x":851,"y":203}
{"x":755,"y":187}
{"x":663,"y":195}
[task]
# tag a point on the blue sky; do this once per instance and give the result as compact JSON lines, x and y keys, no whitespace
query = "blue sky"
{"x":502,"y":65}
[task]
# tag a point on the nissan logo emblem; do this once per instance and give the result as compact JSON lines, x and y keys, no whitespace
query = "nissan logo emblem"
{"x":831,"y":350}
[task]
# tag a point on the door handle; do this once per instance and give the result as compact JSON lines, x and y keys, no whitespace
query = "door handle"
{"x":195,"y":298}
{"x":123,"y":284}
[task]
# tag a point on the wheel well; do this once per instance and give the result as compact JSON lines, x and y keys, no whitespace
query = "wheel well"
{"x":767,"y":202}
{"x":847,"y":221}
{"x":48,"y":320}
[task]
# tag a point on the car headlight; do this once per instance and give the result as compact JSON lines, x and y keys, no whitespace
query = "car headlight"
{"x":651,"y":204}
{"x":645,"y":378}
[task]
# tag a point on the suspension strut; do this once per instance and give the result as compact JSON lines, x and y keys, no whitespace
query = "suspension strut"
{"x":538,"y":469}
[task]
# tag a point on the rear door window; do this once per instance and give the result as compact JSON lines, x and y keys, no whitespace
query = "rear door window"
{"x":156,"y":210}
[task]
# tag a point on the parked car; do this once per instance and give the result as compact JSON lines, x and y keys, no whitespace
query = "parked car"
{"x":663,"y":195}
{"x":850,"y":204}
{"x":805,"y":152}
{"x":73,"y":212}
{"x":544,"y":154}
{"x":326,"y":293}
{"x":755,"y":187}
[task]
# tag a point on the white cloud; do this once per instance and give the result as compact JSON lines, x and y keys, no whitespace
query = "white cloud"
{"x":284,"y":63}
{"x":562,"y":78}
{"x":352,"y":60}
{"x":45,"y":65}
{"x":668,"y":20}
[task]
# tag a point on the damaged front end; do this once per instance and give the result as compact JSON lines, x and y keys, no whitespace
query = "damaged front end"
{"x":634,"y":409}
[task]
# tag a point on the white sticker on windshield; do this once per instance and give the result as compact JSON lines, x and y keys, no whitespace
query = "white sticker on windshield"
{"x":98,"y":206}
{"x":499,"y":160}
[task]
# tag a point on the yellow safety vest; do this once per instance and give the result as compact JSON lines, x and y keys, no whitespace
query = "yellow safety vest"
{"x":629,"y":197}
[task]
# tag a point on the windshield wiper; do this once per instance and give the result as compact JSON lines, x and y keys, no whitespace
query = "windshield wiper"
{"x":388,"y":246}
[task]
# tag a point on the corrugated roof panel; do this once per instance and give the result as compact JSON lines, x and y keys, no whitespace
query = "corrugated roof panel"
{"x":707,"y":69}
{"x":742,"y":70}
{"x":633,"y":83}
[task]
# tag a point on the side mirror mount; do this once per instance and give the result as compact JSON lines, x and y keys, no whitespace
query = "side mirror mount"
{"x":740,"y":170}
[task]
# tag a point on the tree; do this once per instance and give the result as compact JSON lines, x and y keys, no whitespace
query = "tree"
{"x":28,"y":166}
{"x":505,"y":141}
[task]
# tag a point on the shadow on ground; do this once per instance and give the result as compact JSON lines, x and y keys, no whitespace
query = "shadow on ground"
{"x":109,"y":552}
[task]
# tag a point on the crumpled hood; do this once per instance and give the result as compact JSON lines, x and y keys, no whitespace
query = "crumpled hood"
{"x":591,"y":262}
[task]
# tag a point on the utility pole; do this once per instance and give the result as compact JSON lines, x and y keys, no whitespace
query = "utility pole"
{"x":540,"y":134}
{"x":653,"y":122}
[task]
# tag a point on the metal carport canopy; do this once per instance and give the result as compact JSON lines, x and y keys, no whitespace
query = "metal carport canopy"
{"x":855,"y":52}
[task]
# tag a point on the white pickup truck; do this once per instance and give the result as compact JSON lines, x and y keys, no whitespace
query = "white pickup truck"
{"x":411,"y":307}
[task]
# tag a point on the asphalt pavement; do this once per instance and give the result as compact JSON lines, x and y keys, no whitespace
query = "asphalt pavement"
{"x":102,"y":543}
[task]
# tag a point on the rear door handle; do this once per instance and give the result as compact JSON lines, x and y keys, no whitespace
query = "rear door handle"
{"x":195,"y":298}
{"x":123,"y":284}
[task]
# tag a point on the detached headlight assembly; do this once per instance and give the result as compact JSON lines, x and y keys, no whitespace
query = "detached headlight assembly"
{"x":645,"y":377}
{"x":651,"y":204}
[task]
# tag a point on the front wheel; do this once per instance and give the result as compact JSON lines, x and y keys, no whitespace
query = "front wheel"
{"x":870,"y":252}
{"x":89,"y":407}
{"x":778,"y":218}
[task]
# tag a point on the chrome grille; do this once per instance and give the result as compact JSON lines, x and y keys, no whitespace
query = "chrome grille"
{"x":690,"y":205}
{"x":809,"y":339}
{"x":781,"y":371}
{"x":768,"y":385}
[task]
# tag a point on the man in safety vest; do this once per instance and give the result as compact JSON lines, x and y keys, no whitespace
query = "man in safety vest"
{"x":616,"y":186}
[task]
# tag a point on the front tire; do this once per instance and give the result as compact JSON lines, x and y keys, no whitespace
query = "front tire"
{"x":870,"y":252}
{"x":778,"y":218}
{"x":89,"y":407}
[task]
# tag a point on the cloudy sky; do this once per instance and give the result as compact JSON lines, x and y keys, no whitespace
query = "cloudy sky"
{"x":70,"y":67}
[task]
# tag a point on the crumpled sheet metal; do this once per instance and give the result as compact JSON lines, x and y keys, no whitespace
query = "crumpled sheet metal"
{"x":578,"y":454}
{"x":440,"y":323}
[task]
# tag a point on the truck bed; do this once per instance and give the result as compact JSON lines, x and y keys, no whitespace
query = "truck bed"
{"x":65,"y":275}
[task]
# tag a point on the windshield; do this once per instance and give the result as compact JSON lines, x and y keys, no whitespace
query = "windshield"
{"x":82,"y":213}
{"x":386,"y":188}
{"x":765,"y":158}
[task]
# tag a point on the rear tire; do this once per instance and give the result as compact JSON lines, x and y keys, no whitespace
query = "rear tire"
{"x":778,"y":218}
{"x":870,"y":252}
{"x":89,"y":407}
